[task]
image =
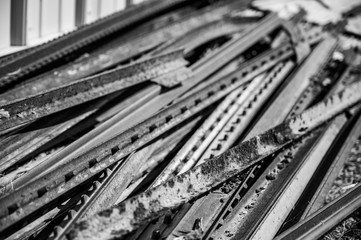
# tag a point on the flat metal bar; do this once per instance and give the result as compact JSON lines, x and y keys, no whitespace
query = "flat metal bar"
{"x":116,"y":180}
{"x":82,"y":145}
{"x":318,"y":199}
{"x":123,"y":49}
{"x":237,"y":125}
{"x":214,"y":121}
{"x":83,"y":90}
{"x":205,"y":33}
{"x":300,"y":80}
{"x":292,"y":90}
{"x":317,"y":224}
{"x":76,"y":40}
{"x":224,"y":140}
{"x":266,"y":198}
{"x":274,"y":219}
{"x":55,"y":184}
{"x":24,"y":143}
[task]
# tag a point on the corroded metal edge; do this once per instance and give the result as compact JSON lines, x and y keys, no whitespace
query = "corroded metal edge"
{"x":33,"y":107}
{"x":128,"y":215}
{"x":40,"y":192}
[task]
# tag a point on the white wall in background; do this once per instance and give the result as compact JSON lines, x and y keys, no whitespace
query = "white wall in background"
{"x":91,"y":10}
{"x":106,"y":8}
{"x":33,"y":20}
{"x":138,"y":1}
{"x":4,"y":23}
{"x":49,"y":17}
{"x":119,"y":5}
{"x":67,"y":15}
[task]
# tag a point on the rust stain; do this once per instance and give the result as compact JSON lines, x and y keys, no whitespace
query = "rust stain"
{"x":140,"y":211}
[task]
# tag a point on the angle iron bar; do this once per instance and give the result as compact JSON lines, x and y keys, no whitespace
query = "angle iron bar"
{"x":158,"y":102}
{"x":72,"y":42}
{"x":128,"y":215}
{"x":45,"y":103}
{"x":203,"y":34}
{"x":78,"y":170}
{"x":247,"y":224}
{"x":317,"y":224}
{"x":232,"y":48}
{"x":89,"y":198}
{"x":295,"y":186}
{"x":132,"y":167}
{"x":231,"y":205}
{"x":318,"y":199}
{"x":230,"y":133}
{"x":121,"y":52}
{"x":226,"y":197}
{"x":293,"y":110}
{"x":28,"y":232}
{"x":195,"y":146}
{"x":173,"y":165}
{"x":320,"y":184}
{"x":24,"y":143}
{"x":238,"y":123}
{"x":117,"y":180}
{"x":196,"y":156}
{"x":265,"y":56}
{"x":169,"y":228}
{"x":95,"y":199}
{"x":213,"y":121}
{"x":299,"y":81}
{"x":77,"y":147}
{"x":295,"y":105}
{"x":269,"y":181}
{"x":160,"y":154}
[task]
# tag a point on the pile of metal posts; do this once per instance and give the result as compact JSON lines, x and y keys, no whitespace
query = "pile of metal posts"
{"x":181,"y":120}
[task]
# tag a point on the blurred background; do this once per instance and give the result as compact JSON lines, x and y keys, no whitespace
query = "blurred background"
{"x":25,"y":23}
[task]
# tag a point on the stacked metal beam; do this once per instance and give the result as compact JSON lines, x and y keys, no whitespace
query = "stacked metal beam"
{"x":205,"y":120}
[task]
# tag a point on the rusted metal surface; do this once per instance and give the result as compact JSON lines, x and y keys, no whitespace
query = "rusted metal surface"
{"x":104,"y":194}
{"x":319,"y":198}
{"x":264,"y":194}
{"x":224,"y":140}
{"x":193,"y":150}
{"x":301,"y":80}
{"x":238,"y":123}
{"x":226,"y":137}
{"x":265,"y":26}
{"x":216,"y":120}
{"x":268,"y":119}
{"x":269,"y":225}
{"x":30,"y":198}
{"x":19,"y":145}
{"x":183,"y":182}
{"x":92,"y":138}
{"x":127,"y":215}
{"x":83,"y":90}
{"x":125,"y":49}
{"x":327,"y":217}
{"x":233,"y":198}
{"x":70,"y":43}
{"x":205,"y":33}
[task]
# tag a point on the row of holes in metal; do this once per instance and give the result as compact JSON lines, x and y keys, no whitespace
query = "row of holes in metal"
{"x":67,"y":177}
